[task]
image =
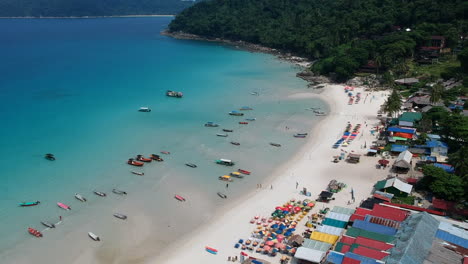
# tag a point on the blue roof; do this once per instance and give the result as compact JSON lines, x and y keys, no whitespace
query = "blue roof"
{"x":398,"y":148}
{"x":381,"y":229}
{"x":452,"y":238}
{"x":436,"y":143}
{"x":445,"y":167}
{"x":431,"y":158}
{"x":335,"y":257}
{"x":401,"y":130}
{"x":364,"y":260}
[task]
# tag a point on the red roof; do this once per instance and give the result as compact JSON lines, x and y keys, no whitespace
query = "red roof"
{"x":356,"y":217}
{"x":371,"y":253}
{"x":416,"y":208}
{"x":465,"y":260}
{"x":347,"y":260}
{"x":347,"y":240}
{"x":389,"y":212}
{"x":345,"y":248}
{"x":371,"y":243}
{"x":362,"y":211}
{"x":384,"y":221}
{"x":412,"y":180}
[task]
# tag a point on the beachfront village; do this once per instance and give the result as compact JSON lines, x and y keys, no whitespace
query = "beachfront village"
{"x":414,"y":210}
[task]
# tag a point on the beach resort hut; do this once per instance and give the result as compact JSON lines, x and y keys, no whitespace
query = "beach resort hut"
{"x":325,"y":196}
{"x":394,"y":186}
{"x":409,"y":119}
{"x":296,"y":240}
{"x":403,"y":162}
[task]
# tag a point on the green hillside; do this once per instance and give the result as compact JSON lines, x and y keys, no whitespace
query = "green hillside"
{"x":344,"y":34}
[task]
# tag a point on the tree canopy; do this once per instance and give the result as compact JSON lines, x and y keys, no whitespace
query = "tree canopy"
{"x":62,"y":8}
{"x":343,"y":34}
{"x":443,"y":185}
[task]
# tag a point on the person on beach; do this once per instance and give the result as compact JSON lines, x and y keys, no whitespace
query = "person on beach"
{"x":227,"y":185}
{"x":60,"y":217}
{"x":297,"y":184}
{"x":271,"y":187}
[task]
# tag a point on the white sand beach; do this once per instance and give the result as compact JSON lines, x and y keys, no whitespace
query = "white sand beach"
{"x":311,"y":168}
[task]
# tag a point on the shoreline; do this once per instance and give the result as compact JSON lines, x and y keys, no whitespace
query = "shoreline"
{"x":86,"y":17}
{"x":230,"y":224}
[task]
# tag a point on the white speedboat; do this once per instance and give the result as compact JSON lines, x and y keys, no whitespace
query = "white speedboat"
{"x":79,"y":197}
{"x":144,"y":109}
{"x":93,"y":236}
{"x":120,"y":216}
{"x":100,"y":193}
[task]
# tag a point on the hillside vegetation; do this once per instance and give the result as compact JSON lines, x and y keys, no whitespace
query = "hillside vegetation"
{"x":344,"y":34}
{"x":66,"y":8}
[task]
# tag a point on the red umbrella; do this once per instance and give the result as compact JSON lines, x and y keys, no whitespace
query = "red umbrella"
{"x":270,"y":243}
{"x":267,"y":248}
{"x":384,"y":162}
{"x":280,"y":246}
{"x":243,"y":253}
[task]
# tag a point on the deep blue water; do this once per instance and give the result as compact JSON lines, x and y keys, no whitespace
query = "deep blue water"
{"x":72,"y":87}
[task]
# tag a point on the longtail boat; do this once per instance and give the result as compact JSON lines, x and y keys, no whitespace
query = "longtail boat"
{"x":24,"y":204}
{"x":34,"y":232}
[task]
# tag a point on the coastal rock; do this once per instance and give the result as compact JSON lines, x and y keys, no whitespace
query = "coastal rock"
{"x":312,"y":78}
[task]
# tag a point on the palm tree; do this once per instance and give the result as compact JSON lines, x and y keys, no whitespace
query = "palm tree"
{"x":436,"y":93}
{"x":393,"y":104}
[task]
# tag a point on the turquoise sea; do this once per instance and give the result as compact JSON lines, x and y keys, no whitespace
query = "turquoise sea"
{"x":72,"y":87}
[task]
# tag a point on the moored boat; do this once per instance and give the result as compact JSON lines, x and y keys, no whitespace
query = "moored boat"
{"x":222,"y":135}
{"x":246,"y":172}
{"x":93,"y":236}
{"x":235,"y":143}
{"x":165,"y":152}
{"x":225,"y":178}
{"x":25,"y":204}
{"x":180,"y":198}
{"x":246,"y":108}
{"x":302,"y":134}
{"x":235,"y":113}
{"x":236,"y":174}
{"x":275,"y":144}
{"x":64,"y":206}
{"x":80,"y":197}
{"x":299,"y":136}
{"x":174,"y":94}
{"x":49,"y":156}
{"x":228,"y":130}
{"x":117,"y":191}
{"x":251,"y":119}
{"x":156,"y":157}
{"x":120,"y":216}
{"x":243,"y":123}
{"x":134,"y":163}
{"x":225,"y":162}
{"x":138,"y":173}
{"x":98,"y":193}
{"x":191,"y":165}
{"x":211,"y":124}
{"x":144,"y":109}
{"x":34,"y":232}
{"x":222,"y":195}
{"x":48,"y":224}
{"x":143,"y":159}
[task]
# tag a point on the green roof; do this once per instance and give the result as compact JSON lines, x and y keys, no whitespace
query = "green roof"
{"x":339,"y":246}
{"x":334,"y":222}
{"x":410,"y":117}
{"x":380,"y":185}
{"x":355,"y":232}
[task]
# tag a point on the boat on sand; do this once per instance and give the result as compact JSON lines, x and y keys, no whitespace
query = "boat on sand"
{"x":180,"y":198}
{"x":138,"y":173}
{"x":34,"y":232}
{"x":93,"y":236}
{"x":120,"y":216}
{"x":246,"y":172}
{"x":222,"y":195}
{"x":235,"y":143}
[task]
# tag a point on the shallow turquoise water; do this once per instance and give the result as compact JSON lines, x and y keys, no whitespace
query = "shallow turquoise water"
{"x":72,"y":87}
